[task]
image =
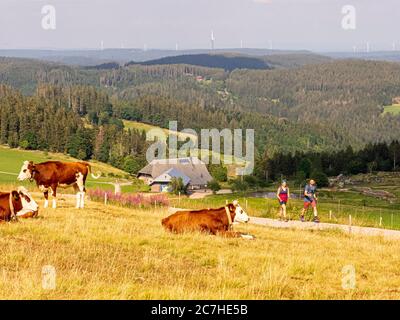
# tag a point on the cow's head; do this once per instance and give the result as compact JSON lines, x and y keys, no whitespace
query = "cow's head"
{"x":28,"y":207}
{"x":237,"y":210}
{"x":27,"y":171}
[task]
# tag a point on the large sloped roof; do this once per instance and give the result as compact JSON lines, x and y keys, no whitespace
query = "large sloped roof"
{"x":172,"y":173}
{"x":193,"y":168}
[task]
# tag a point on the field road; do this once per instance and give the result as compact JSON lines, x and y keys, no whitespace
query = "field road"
{"x":365,"y":231}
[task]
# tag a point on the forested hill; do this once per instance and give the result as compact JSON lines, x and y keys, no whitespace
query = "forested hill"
{"x":230,"y":61}
{"x":226,"y":62}
{"x":315,"y":107}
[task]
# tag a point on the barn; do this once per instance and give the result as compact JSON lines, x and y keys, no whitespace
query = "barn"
{"x":159,"y":173}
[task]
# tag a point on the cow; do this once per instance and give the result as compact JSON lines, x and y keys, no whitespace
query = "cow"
{"x":53,"y":174}
{"x":17,"y":203}
{"x":211,"y":221}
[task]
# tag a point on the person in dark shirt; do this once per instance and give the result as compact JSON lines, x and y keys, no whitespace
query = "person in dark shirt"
{"x":310,"y":199}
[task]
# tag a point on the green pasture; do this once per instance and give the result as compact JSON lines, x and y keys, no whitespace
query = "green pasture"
{"x":393,"y":109}
{"x":11,"y":161}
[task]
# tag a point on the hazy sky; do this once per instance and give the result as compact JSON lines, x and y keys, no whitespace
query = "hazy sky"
{"x":286,"y":24}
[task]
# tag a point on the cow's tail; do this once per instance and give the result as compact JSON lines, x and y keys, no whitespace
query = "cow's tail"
{"x":97,"y":176}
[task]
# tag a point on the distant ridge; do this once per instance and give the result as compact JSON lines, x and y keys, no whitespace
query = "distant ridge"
{"x":226,"y":62}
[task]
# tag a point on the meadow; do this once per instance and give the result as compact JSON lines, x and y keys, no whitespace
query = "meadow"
{"x":332,"y":208}
{"x":108,"y":252}
{"x":11,"y":161}
{"x":393,"y":109}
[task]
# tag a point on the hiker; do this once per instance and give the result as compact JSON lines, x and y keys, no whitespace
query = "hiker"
{"x":283,"y":195}
{"x":310,"y":198}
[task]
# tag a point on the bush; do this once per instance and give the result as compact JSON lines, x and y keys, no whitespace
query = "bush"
{"x":214,"y":186}
{"x":320,"y":178}
{"x":177,"y":186}
{"x":238,"y":185}
{"x":219,"y":173}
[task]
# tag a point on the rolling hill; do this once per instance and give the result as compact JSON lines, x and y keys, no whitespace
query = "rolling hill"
{"x":226,"y":62}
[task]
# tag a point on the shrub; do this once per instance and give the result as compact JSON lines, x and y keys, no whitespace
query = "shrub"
{"x":321,"y":178}
{"x":238,"y":185}
{"x":177,"y":186}
{"x":214,"y":186}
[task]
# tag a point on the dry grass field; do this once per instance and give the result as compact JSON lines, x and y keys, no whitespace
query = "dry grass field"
{"x":118,"y":253}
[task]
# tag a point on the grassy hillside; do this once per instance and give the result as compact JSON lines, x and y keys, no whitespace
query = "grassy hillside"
{"x":125,"y":254}
{"x":147,"y":127}
{"x":11,"y":161}
{"x":393,"y":109}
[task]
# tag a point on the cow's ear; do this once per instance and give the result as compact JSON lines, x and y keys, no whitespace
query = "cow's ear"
{"x":15,"y":196}
{"x":231,"y":207}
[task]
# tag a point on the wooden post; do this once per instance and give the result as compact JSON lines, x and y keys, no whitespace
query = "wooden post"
{"x":105,"y":198}
{"x":246,"y":204}
{"x":179,"y":197}
{"x":392,"y":221}
{"x":330,"y":215}
{"x":350,"y":223}
{"x":380,"y":221}
{"x":226,"y":202}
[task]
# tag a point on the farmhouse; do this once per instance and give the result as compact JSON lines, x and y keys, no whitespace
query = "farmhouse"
{"x":159,"y":173}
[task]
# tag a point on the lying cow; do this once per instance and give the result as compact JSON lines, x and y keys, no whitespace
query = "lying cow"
{"x":53,"y":174}
{"x":17,"y":204}
{"x":212,"y":221}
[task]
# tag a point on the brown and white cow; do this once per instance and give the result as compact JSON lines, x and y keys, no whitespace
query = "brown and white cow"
{"x":212,"y":221}
{"x":17,"y":203}
{"x":53,"y":174}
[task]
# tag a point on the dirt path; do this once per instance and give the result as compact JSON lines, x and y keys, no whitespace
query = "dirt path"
{"x":366,"y":231}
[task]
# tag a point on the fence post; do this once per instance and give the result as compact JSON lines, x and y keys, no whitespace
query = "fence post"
{"x":105,"y":198}
{"x":246,"y":204}
{"x":392,"y":221}
{"x":380,"y":221}
{"x":350,"y":223}
{"x":330,"y":215}
{"x":179,"y":197}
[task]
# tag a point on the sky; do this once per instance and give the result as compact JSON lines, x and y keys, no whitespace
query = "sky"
{"x":165,"y":24}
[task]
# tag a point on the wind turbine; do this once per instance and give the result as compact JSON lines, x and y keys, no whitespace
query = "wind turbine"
{"x":102,"y":45}
{"x":212,"y":40}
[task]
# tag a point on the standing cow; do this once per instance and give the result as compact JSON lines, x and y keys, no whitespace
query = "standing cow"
{"x":212,"y":221}
{"x":53,"y":174}
{"x":17,"y":203}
